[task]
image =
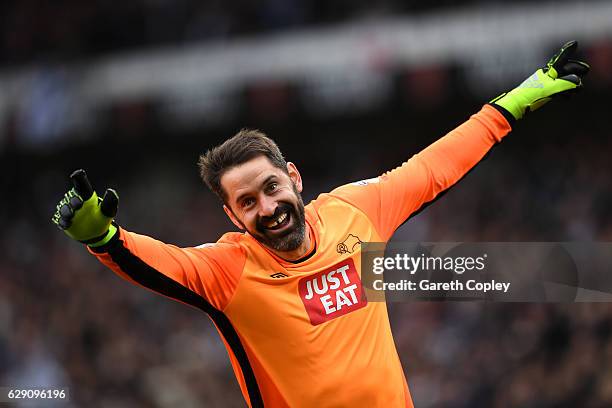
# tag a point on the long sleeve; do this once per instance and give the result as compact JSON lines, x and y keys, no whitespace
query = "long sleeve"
{"x":389,"y":200}
{"x":200,"y":276}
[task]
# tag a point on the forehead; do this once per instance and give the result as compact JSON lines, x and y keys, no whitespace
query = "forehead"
{"x":248,"y":176}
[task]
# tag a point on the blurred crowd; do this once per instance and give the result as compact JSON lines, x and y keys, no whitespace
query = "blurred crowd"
{"x":66,"y":320}
{"x":32,"y":30}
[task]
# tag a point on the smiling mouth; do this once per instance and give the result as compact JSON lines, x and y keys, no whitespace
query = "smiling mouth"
{"x":279,"y":222}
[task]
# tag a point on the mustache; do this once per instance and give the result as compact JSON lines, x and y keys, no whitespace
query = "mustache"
{"x":281,"y":208}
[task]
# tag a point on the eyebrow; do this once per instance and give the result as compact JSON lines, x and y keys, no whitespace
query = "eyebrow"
{"x":263,"y":183}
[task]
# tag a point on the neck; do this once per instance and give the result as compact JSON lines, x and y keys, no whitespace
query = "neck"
{"x":300,"y":251}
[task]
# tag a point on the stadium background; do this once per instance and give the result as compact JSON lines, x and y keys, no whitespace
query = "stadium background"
{"x":135,"y":91}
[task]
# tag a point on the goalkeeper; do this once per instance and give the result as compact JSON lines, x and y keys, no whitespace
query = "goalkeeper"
{"x":285,"y":294}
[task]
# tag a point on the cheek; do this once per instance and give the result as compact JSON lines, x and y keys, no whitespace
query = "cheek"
{"x":287,"y":195}
{"x":249,"y":220}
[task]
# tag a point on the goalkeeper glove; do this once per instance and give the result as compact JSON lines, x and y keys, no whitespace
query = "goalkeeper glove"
{"x":83,"y":216}
{"x":561,"y":75}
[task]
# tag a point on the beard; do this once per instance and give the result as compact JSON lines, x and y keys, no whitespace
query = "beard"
{"x":293,"y":236}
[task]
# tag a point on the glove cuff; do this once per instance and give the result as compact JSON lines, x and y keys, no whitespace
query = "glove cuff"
{"x":102,"y":239}
{"x":509,"y":117}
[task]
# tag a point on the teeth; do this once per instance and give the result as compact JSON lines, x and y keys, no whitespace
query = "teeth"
{"x":278,"y":221}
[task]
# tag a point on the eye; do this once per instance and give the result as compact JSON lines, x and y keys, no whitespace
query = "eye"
{"x":272,"y":187}
{"x":247,"y":202}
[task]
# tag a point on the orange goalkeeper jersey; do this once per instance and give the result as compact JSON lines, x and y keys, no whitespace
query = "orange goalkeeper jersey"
{"x":303,"y":334}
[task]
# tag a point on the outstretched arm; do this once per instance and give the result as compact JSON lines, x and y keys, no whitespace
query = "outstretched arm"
{"x":204,"y":277}
{"x":390,"y":199}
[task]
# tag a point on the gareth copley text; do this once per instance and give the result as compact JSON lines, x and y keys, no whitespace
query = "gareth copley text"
{"x":471,"y":285}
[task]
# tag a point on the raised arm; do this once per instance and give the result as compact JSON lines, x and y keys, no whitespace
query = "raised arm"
{"x":203,"y":277}
{"x":390,"y":199}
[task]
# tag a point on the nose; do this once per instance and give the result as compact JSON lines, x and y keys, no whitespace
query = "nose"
{"x":267,"y":207}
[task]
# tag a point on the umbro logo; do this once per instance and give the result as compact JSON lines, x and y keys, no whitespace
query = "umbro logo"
{"x":278,"y":275}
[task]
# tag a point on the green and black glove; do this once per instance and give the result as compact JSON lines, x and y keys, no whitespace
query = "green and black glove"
{"x":83,"y":216}
{"x":561,"y":75}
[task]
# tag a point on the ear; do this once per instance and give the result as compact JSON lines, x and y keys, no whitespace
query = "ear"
{"x":232,"y":217}
{"x":294,"y":175}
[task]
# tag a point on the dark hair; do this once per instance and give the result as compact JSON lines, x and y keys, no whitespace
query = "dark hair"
{"x":240,"y":148}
